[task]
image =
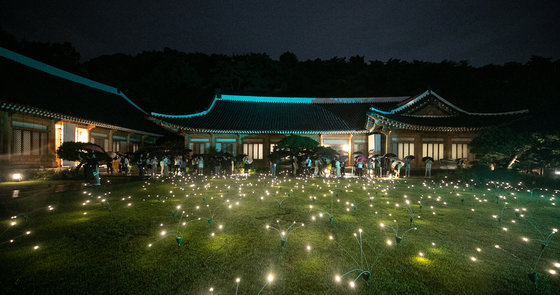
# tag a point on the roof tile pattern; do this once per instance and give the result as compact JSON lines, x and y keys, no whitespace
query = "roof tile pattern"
{"x":271,"y":117}
{"x":27,"y":86}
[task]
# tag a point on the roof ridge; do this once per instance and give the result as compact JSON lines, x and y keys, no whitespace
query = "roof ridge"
{"x":288,"y":99}
{"x":54,"y":71}
{"x":36,"y":110}
{"x":415,"y":99}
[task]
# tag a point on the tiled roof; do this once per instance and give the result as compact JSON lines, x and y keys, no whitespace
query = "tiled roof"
{"x":36,"y":88}
{"x":449,"y":118}
{"x":451,"y":123}
{"x":243,"y":114}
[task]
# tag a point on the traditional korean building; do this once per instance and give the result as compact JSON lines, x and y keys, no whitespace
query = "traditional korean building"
{"x":422,"y":125}
{"x":42,"y":106}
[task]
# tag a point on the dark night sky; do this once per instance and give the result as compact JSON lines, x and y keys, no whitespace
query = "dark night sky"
{"x":481,"y":31}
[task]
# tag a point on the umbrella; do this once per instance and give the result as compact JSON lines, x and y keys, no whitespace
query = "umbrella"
{"x":94,"y":148}
{"x":399,"y":163}
{"x":390,"y":155}
{"x":427,"y":158}
{"x":410,"y":157}
{"x":361,"y":157}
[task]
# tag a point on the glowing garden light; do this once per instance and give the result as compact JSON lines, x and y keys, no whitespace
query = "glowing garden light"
{"x":237,"y":280}
{"x":473,"y":259}
{"x":284,"y":234}
{"x":269,"y":280}
{"x":395,"y":229}
{"x":17,"y":177}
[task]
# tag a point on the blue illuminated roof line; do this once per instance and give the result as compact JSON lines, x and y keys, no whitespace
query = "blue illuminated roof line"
{"x":276,"y":99}
{"x":269,"y":99}
{"x":307,"y":100}
{"x":428,"y":92}
{"x":187,"y":116}
{"x":32,"y":63}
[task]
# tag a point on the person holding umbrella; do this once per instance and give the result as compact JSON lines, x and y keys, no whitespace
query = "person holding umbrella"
{"x":407,"y":161}
{"x":387,"y":160}
{"x":141,"y":165}
{"x":428,"y":161}
{"x":378,"y":166}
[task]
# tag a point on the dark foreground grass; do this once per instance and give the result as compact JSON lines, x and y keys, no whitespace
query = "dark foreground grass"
{"x":109,"y":239}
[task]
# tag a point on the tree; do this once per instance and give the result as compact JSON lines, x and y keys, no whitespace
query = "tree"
{"x":499,"y":146}
{"x":79,"y":151}
{"x":297,"y":145}
{"x":544,"y":152}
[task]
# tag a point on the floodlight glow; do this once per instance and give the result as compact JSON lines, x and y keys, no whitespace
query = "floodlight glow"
{"x":16,"y":177}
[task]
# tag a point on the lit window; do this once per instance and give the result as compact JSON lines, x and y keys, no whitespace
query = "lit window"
{"x":82,"y":135}
{"x":403,"y":149}
{"x":434,"y":150}
{"x":26,"y":142}
{"x":459,"y":151}
{"x":253,"y":150}
{"x":199,"y":147}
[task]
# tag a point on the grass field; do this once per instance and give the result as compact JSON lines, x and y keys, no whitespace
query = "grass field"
{"x":122,"y":238}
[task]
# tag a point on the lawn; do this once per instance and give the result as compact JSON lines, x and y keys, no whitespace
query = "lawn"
{"x":461,"y":238}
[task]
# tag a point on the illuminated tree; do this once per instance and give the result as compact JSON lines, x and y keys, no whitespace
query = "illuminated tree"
{"x":499,"y":146}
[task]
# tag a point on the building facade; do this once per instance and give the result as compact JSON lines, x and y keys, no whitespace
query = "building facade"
{"x":421,"y":125}
{"x":42,"y":107}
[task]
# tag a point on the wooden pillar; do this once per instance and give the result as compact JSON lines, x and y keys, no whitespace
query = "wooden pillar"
{"x":266,"y":149}
{"x":418,"y":151}
{"x":5,"y":136}
{"x":111,"y":140}
{"x":51,"y":145}
{"x":321,"y":140}
{"x":128,"y":149}
{"x":239,"y":144}
{"x":447,"y":146}
{"x":350,"y":150}
{"x":187,"y":141}
{"x":387,"y":142}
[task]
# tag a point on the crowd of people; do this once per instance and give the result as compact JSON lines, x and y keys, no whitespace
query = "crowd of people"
{"x":225,"y":164}
{"x":361,"y":167}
